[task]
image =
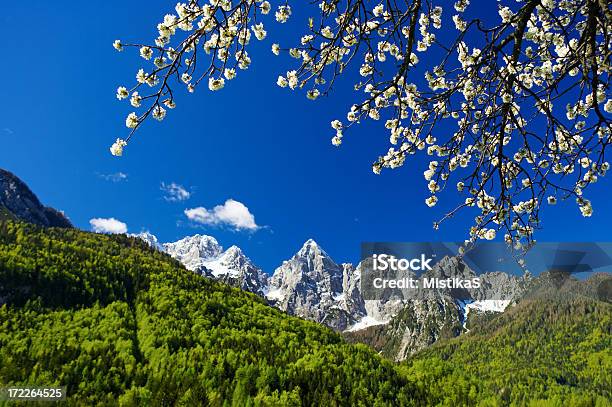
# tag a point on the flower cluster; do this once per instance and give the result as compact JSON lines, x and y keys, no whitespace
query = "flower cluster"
{"x":523,"y":96}
{"x":218,"y":31}
{"x":498,"y":95}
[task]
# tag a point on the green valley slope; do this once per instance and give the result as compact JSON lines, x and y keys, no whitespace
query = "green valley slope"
{"x":557,"y":348}
{"x":113,"y":320}
{"x":119,"y":323}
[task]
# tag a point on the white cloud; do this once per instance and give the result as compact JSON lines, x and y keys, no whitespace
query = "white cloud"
{"x":232,"y":213}
{"x":107,"y":225}
{"x":116,"y":177}
{"x":174,"y":192}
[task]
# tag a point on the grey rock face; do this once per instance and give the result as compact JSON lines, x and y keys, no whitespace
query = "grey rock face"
{"x":19,"y":202}
{"x":501,"y":286}
{"x":426,"y":321}
{"x":352,"y":300}
{"x":416,"y":323}
{"x":311,"y":285}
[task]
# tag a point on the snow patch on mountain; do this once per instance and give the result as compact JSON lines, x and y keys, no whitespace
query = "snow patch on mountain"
{"x":366,"y":322}
{"x":482,"y":306}
{"x":489,"y":305}
{"x":274,"y":295}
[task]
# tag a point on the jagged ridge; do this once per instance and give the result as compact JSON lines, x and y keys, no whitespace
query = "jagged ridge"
{"x":312,"y":285}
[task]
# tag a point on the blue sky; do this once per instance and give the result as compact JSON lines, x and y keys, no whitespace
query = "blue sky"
{"x":253,"y":142}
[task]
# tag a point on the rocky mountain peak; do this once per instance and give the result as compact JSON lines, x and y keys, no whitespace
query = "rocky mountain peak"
{"x":193,"y":250}
{"x":149,"y":238}
{"x":17,"y":201}
{"x":233,"y":252}
{"x":235,"y":257}
{"x":313,"y":266}
{"x":233,"y":267}
{"x":310,"y":249}
{"x":312,"y":285}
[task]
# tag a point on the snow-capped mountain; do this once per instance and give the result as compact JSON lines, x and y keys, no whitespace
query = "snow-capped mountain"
{"x":413,"y":324}
{"x":234,"y":268}
{"x":149,"y":239}
{"x":204,"y":255}
{"x":194,"y":251}
{"x":313,"y":286}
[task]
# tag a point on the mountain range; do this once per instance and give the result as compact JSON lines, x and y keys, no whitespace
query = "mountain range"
{"x":121,"y":322}
{"x":313,"y":286}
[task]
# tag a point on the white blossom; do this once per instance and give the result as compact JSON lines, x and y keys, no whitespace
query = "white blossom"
{"x":283,"y":13}
{"x":131,"y":121}
{"x":259,"y":31}
{"x":431,"y":201}
{"x":146,"y":52}
{"x":215,"y":84}
{"x":117,"y":148}
{"x":337,"y":140}
{"x":136,"y":99}
{"x":506,"y":14}
{"x":159,"y":113}
{"x":312,"y":94}
{"x":122,"y":93}
{"x":490,"y":234}
{"x":292,"y":79}
{"x":282,"y":81}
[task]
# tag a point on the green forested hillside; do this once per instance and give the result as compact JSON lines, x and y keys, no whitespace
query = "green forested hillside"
{"x":557,"y":349}
{"x":113,"y":320}
{"x":119,"y":323}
